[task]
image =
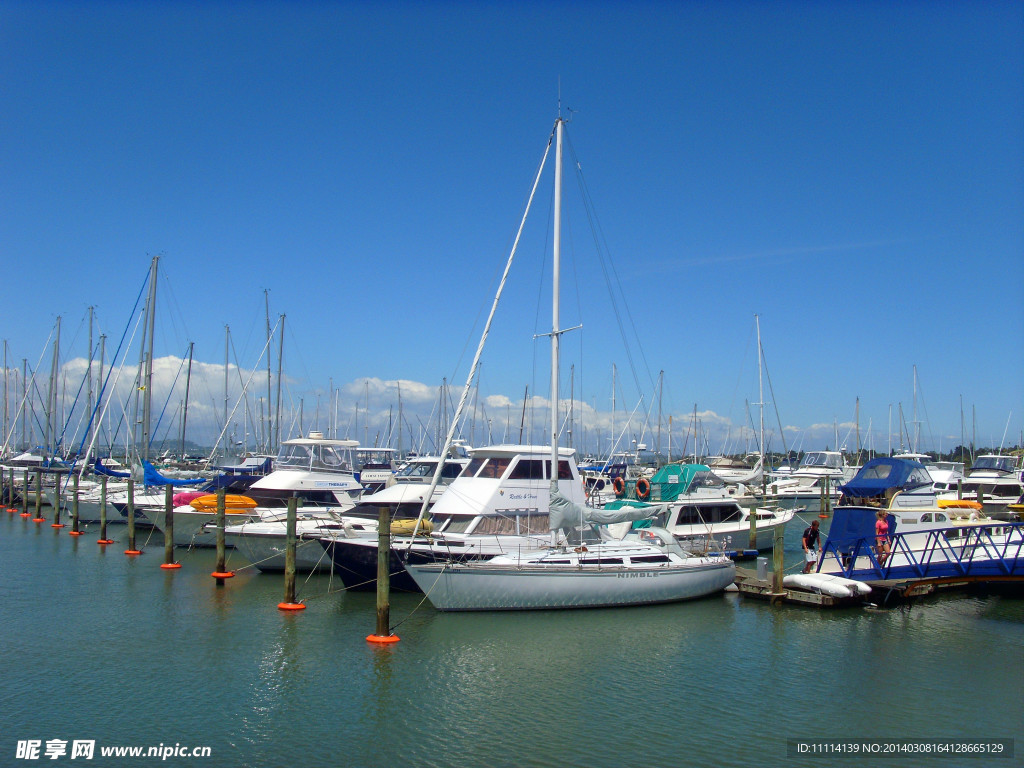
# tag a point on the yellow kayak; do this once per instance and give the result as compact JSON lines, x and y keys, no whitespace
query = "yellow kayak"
{"x":406,"y":527}
{"x":233,"y":503}
{"x":958,"y":504}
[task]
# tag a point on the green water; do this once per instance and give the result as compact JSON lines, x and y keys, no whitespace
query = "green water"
{"x":99,"y":646}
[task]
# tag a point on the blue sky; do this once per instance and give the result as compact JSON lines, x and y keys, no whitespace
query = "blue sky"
{"x":851,"y":172}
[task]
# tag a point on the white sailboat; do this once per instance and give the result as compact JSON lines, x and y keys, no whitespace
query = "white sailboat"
{"x":647,"y":567}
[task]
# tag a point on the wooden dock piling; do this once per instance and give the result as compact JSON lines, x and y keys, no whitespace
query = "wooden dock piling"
{"x":74,"y":506}
{"x":131,"y":519}
{"x":383,"y":633}
{"x":220,"y":572}
{"x":103,"y":512}
{"x":168,"y":563}
{"x":290,"y":604}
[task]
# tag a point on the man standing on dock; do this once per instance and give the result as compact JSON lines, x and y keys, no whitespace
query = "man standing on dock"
{"x":810,"y":544}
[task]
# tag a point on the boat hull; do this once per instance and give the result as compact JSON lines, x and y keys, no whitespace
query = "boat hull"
{"x":486,"y":587}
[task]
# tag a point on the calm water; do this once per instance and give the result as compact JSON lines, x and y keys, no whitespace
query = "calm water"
{"x":100,"y":646}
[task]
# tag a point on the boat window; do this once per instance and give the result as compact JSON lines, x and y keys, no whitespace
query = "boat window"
{"x":564,"y":472}
{"x":293,"y":456}
{"x":560,"y":561}
{"x":650,"y":559}
{"x":333,"y":458}
{"x":926,"y":518}
{"x":496,"y":525}
{"x":495,"y":467}
{"x":527,"y":469}
{"x":601,"y":561}
{"x":877,"y":472}
{"x":474,"y":467}
{"x":452,"y":523}
{"x":452,"y":469}
{"x":999,"y":463}
{"x":940,"y":518}
{"x":918,"y":476}
{"x":533,"y":523}
{"x":418,"y":469}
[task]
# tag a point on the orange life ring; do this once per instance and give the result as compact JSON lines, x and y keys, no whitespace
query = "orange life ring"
{"x":619,"y":486}
{"x":643,"y":488}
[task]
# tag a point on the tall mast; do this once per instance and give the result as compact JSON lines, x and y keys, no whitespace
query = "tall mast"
{"x":24,"y":403}
{"x":760,"y":389}
{"x":103,"y":351}
{"x":227,"y":342}
{"x":51,"y":395}
{"x":5,"y":393}
{"x":147,"y":398}
{"x":277,"y":412}
{"x":88,"y":377}
{"x":661,"y":388}
{"x":555,"y":283}
{"x":267,"y":423}
{"x":184,"y":410}
{"x":914,"y":447}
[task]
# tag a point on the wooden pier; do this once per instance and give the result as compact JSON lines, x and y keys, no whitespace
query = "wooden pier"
{"x":750,"y":586}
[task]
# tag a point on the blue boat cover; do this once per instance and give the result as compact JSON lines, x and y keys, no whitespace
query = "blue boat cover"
{"x":879,"y":475}
{"x":151,"y":477}
{"x":850,"y":524}
{"x":99,"y":469}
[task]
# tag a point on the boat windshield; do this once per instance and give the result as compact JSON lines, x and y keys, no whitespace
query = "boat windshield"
{"x":451,"y":469}
{"x":822,"y":459}
{"x":374,"y":457}
{"x":324,"y":458}
{"x":998,"y":463}
{"x":705,"y":479}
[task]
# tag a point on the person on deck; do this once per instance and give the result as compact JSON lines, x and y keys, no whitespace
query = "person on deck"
{"x":810,"y":541}
{"x":882,"y":537}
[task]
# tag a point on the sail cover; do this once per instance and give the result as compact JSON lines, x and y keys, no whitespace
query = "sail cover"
{"x":565,"y":513}
{"x":99,"y":469}
{"x":151,"y":477}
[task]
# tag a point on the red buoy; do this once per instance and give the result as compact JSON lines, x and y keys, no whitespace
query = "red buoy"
{"x":382,"y":639}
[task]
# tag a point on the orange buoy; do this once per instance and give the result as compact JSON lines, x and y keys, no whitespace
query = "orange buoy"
{"x":291,"y":606}
{"x":133,"y":551}
{"x":57,"y":525}
{"x":38,"y":520}
{"x":170,"y":566}
{"x":823,"y":516}
{"x":26,"y":514}
{"x":104,"y":541}
{"x":382,"y":639}
{"x":619,"y":486}
{"x":223,"y":574}
{"x":76,"y":533}
{"x":643,"y":488}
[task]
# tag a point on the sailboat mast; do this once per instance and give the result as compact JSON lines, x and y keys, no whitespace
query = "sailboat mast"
{"x":555,"y":282}
{"x":227,"y":343}
{"x":184,"y":410}
{"x":277,"y":405}
{"x":267,"y":426}
{"x":88,"y":376}
{"x":760,"y":389}
{"x":147,"y":398}
{"x":51,"y":396}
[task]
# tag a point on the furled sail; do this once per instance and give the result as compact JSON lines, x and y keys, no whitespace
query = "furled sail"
{"x":568,"y":514}
{"x":151,"y":477}
{"x":99,"y":469}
